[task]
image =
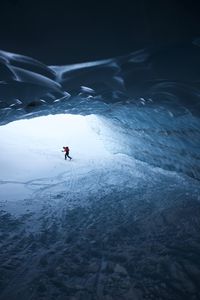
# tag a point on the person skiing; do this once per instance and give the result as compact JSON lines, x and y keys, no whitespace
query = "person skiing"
{"x":66,"y":150}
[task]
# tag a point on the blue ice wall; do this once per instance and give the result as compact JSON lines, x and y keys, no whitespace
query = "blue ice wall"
{"x":150,"y":98}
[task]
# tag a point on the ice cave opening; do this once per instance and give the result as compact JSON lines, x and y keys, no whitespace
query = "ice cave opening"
{"x":31,"y":150}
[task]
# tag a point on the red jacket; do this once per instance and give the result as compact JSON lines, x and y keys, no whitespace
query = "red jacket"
{"x":66,"y":149}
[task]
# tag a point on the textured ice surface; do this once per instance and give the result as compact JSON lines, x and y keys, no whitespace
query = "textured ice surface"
{"x":121,"y":220}
{"x":168,"y":76}
{"x":103,"y":225}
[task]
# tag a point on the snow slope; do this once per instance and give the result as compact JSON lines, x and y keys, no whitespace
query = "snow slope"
{"x":81,"y":228}
{"x":31,"y":151}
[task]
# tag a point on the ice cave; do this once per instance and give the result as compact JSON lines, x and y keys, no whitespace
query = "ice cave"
{"x":121,"y":220}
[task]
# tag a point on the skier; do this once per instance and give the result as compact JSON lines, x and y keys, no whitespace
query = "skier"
{"x":66,"y":150}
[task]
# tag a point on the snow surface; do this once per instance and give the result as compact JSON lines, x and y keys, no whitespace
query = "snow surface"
{"x":32,"y":161}
{"x":31,"y":151}
{"x":33,"y":165}
{"x":103,"y":214}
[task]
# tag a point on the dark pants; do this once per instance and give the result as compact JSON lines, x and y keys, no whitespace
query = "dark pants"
{"x":67,"y":155}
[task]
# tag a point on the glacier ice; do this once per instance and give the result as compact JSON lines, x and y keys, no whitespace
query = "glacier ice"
{"x":154,"y":92}
{"x":121,"y":220}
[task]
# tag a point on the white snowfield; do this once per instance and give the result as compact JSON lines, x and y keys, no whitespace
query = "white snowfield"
{"x":102,"y":215}
{"x":31,"y":153}
{"x":33,"y":165}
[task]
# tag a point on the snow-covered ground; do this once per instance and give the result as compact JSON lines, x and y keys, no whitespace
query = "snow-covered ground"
{"x":101,"y":226}
{"x":31,"y":152}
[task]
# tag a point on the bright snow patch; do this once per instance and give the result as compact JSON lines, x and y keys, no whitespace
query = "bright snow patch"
{"x":32,"y":149}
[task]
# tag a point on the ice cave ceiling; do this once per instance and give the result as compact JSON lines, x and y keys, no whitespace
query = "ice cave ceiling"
{"x":167,"y":75}
{"x":151,"y":96}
